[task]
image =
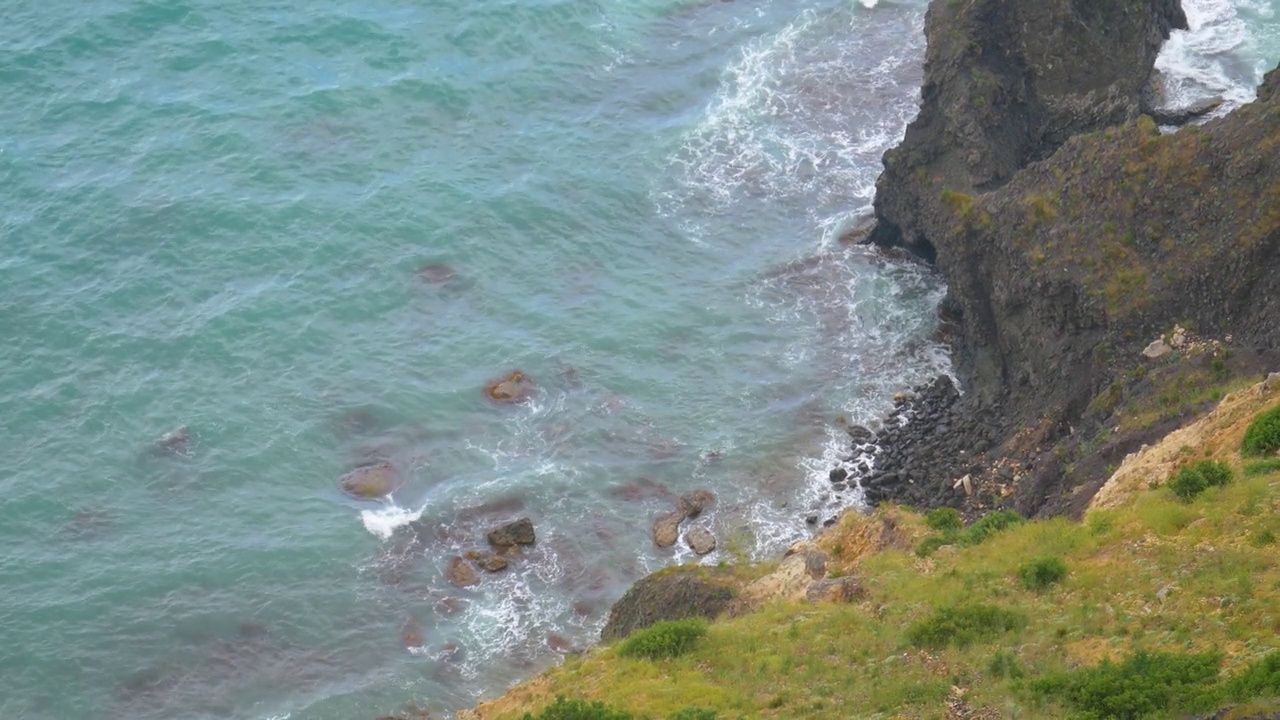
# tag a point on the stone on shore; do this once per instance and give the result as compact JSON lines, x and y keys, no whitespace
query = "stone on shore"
{"x":700,"y":540}
{"x":671,"y":594}
{"x":519,"y":532}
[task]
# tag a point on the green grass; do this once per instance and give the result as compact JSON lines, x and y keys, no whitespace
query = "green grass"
{"x":575,"y":709}
{"x":963,"y":626}
{"x":1144,"y":685}
{"x":1262,"y":467}
{"x":951,"y":533}
{"x":1158,"y":576}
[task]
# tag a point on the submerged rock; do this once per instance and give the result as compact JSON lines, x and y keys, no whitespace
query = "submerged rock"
{"x":519,"y":532}
{"x":700,"y":540}
{"x":460,"y":573}
{"x":371,"y":481}
{"x":487,"y":561}
{"x":515,"y":387}
{"x":693,"y":503}
{"x":436,"y":273}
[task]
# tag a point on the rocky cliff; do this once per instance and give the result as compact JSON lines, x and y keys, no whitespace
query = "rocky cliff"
{"x":1071,"y":234}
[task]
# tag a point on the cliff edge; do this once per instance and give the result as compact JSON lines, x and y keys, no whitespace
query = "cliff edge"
{"x":1072,"y":234}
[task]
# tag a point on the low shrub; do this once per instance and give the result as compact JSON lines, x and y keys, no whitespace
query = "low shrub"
{"x":1263,"y":539}
{"x":1263,"y":435}
{"x":1043,"y":572}
{"x":695,"y":713}
{"x":576,"y":709}
{"x":665,"y":639}
{"x":984,"y":528}
{"x":989,"y":525}
{"x":930,"y":544}
{"x":1260,"y":679}
{"x":1144,"y":685}
{"x":963,"y":626}
{"x":1262,"y":467}
{"x":1193,"y":479}
{"x":943,"y":519}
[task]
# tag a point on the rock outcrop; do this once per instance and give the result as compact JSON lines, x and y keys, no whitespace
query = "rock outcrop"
{"x":673,"y":594}
{"x":1070,"y":232}
{"x":371,"y":481}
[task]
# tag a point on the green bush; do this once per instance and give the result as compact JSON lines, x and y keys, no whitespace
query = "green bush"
{"x":665,"y":639}
{"x":1262,"y":467}
{"x":1144,"y":685}
{"x":1193,"y":479}
{"x":1263,"y":435}
{"x":984,"y":528}
{"x":695,"y":713}
{"x":943,"y":519}
{"x":963,"y":626}
{"x":1042,"y":572}
{"x":563,"y":709}
{"x":930,"y":544}
{"x":989,"y":525}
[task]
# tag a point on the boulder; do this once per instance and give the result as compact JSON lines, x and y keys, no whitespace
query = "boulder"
{"x":666,"y":529}
{"x":1157,"y":350}
{"x":371,"y":481}
{"x":460,"y":573}
{"x":671,"y":594}
{"x":700,"y":540}
{"x":487,"y":561}
{"x":514,"y":387}
{"x":519,"y":532}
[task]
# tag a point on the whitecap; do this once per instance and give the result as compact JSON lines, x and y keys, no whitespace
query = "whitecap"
{"x":384,"y":521}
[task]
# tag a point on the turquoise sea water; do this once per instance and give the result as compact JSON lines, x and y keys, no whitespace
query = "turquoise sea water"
{"x":215,"y":216}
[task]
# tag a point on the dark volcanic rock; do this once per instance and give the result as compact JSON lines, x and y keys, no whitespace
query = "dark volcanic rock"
{"x":671,"y":594}
{"x":519,"y":532}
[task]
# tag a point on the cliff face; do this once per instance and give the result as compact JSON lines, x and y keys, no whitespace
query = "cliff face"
{"x":1070,"y":232}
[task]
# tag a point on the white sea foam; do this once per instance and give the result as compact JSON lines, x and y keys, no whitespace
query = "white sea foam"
{"x":383,"y":521}
{"x":1204,"y":60}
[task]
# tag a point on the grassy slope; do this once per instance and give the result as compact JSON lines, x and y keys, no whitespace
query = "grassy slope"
{"x":1155,"y":574}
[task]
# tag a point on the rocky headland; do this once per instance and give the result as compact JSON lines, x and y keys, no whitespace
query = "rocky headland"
{"x":1072,"y":234}
{"x":1110,"y":281}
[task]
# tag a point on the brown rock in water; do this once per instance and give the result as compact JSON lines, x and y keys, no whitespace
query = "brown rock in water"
{"x":487,"y":561}
{"x":519,"y":532}
{"x":700,"y":540}
{"x":461,"y":573}
{"x":693,"y":503}
{"x":666,"y":529}
{"x":371,"y":481}
{"x":515,"y":387}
